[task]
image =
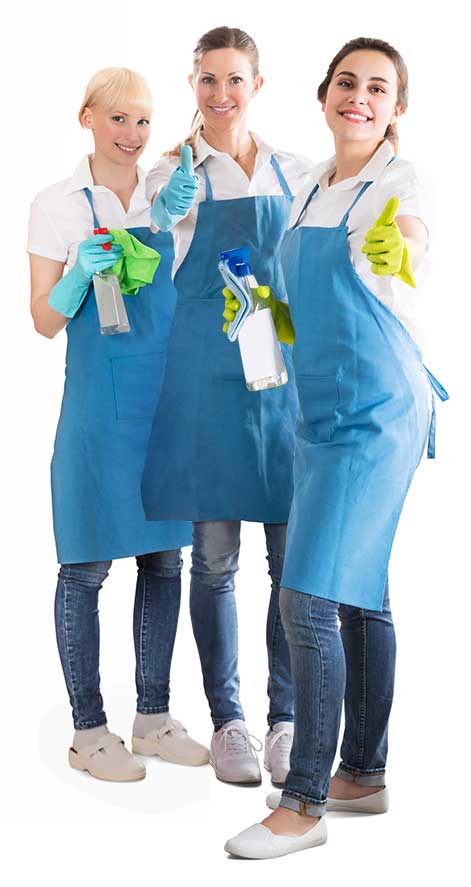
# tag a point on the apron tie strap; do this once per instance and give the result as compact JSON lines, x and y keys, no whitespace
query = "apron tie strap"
{"x":438,"y":389}
{"x":281,"y":177}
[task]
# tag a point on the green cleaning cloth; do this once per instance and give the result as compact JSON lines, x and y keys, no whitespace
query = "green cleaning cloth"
{"x":137,"y":265}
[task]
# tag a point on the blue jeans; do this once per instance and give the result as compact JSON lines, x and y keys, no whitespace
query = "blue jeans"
{"x":215,"y":560}
{"x":355,"y":665}
{"x":156,"y":609}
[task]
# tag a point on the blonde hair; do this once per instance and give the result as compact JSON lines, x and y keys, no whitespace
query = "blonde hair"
{"x":218,"y":38}
{"x":111,"y":87}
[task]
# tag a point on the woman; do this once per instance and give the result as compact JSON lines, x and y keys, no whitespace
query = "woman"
{"x":111,"y":390}
{"x":365,"y":400}
{"x":240,"y":195}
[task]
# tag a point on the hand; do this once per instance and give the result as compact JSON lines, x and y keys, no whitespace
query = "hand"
{"x":281,"y":315}
{"x":280,"y":311}
{"x":231,"y":307}
{"x":386,"y":248}
{"x":92,"y":258}
{"x":179,"y":193}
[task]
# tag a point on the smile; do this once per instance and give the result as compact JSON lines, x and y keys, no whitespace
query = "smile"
{"x":222,"y":109}
{"x":355,"y":117}
{"x":127,"y":149}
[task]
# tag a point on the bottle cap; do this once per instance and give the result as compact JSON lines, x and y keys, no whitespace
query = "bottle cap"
{"x":238,"y":261}
{"x":105,"y":246}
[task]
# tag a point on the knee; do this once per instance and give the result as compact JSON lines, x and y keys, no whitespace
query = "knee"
{"x":89,"y":576}
{"x":161,"y":564}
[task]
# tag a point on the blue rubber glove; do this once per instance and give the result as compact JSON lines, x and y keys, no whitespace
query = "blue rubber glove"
{"x":178,"y":195}
{"x":68,"y":294}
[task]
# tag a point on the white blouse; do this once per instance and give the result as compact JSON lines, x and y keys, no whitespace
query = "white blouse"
{"x":329,"y":204}
{"x":228,"y":181}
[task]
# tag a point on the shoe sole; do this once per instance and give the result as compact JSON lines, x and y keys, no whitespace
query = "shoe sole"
{"x":78,"y":765}
{"x":247,"y":783}
{"x":141,"y":747}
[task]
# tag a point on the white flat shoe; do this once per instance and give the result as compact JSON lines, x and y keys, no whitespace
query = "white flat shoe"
{"x":172,"y":743}
{"x":375,"y":803}
{"x":258,"y":842}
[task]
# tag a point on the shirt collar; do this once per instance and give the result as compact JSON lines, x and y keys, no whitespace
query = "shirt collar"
{"x":204,"y":151}
{"x":370,"y":172}
{"x":82,"y":178}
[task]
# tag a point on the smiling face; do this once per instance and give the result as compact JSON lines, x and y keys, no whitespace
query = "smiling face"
{"x":361,"y":99}
{"x":120,"y":134}
{"x":223,"y":87}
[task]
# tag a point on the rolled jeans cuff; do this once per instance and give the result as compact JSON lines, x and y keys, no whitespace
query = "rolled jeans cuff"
{"x":300,"y":805}
{"x":371,"y":779}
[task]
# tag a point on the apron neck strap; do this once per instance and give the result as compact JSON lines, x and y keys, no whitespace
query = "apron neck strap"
{"x":357,"y":198}
{"x":209,"y":190}
{"x":281,"y":178}
{"x":88,"y":195}
{"x":305,"y":206}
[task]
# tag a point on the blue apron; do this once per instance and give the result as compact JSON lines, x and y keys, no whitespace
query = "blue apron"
{"x":226,"y":453}
{"x":363,"y":424}
{"x":112,"y":386}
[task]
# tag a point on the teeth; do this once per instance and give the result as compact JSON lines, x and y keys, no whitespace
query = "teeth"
{"x":352,"y":116}
{"x":124,"y":148}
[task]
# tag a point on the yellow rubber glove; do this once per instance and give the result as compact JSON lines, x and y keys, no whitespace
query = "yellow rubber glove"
{"x":386,"y":248}
{"x":280,"y":311}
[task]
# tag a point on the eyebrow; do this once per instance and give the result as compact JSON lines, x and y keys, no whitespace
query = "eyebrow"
{"x":231,"y":73}
{"x":351,"y":74}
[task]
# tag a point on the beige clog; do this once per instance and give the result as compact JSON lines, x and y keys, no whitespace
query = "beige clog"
{"x":108,"y":759}
{"x":172,"y":743}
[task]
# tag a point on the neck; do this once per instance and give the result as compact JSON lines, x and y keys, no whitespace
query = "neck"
{"x":237,"y":142}
{"x":350,"y":158}
{"x":117,"y":178}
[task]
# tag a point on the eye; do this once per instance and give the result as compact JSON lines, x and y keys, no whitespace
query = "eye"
{"x":236,"y":80}
{"x":345,"y":83}
{"x":207,"y":80}
{"x":117,"y":118}
{"x":143,"y":122}
{"x":378,"y":89}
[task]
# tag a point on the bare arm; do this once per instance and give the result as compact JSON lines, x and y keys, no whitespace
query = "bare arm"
{"x":45,"y":273}
{"x":416,"y":235}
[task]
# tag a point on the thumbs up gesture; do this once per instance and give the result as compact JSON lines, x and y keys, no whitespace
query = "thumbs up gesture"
{"x":386,"y":248}
{"x":178,"y":196}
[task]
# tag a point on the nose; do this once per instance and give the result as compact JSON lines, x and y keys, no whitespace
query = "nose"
{"x":220,"y":92}
{"x":359,"y":95}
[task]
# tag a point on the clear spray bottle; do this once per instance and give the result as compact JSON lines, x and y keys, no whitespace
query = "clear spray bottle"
{"x":109,"y":299}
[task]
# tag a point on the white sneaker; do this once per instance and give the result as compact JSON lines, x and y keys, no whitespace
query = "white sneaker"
{"x":258,"y":842}
{"x":278,"y":742}
{"x":378,"y":802}
{"x":233,"y":756}
{"x":172,"y":743}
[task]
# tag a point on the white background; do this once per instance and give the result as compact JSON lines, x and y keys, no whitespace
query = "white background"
{"x":66,"y":827}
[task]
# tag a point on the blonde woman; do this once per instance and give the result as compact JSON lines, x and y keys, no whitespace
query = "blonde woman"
{"x":111,"y":390}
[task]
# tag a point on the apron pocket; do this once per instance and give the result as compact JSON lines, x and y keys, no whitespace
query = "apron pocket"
{"x":137,"y":381}
{"x":319,"y":398}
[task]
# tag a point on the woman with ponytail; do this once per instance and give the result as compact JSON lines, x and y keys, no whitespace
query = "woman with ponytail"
{"x":239,"y":193}
{"x":352,"y":257}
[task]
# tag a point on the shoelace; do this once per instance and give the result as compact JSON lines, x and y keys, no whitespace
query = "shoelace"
{"x":236,"y":741}
{"x":284,"y":740}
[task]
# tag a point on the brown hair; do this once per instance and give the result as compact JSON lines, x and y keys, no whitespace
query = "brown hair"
{"x":218,"y":38}
{"x":372,"y":43}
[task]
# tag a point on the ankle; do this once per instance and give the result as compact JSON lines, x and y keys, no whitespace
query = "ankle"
{"x":143,"y":724}
{"x":83,"y":738}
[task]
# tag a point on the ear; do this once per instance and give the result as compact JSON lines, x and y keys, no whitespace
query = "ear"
{"x":398,"y":111}
{"x":190,"y":80}
{"x":257,"y":85}
{"x":86,"y":118}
